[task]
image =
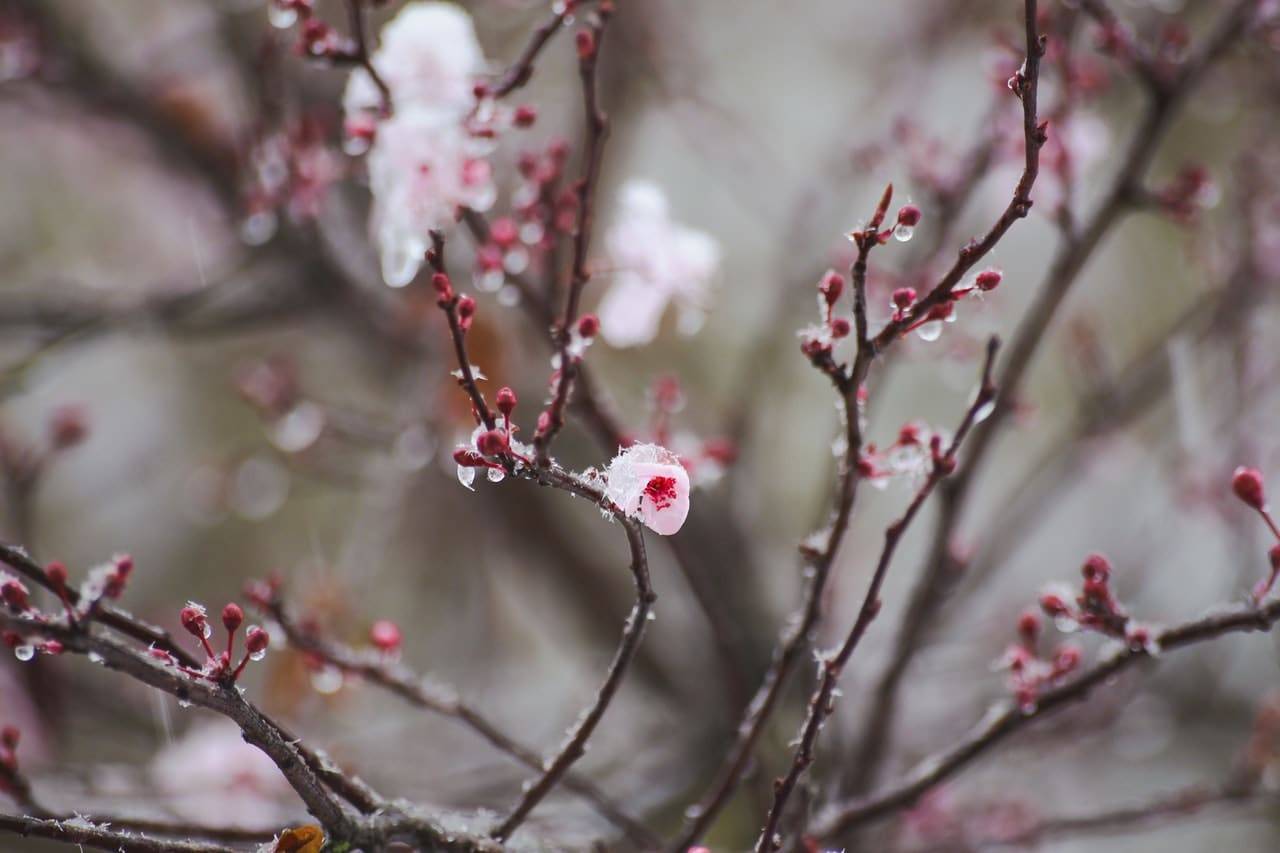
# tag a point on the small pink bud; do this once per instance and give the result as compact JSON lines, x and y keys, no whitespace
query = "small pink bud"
{"x":909,"y":215}
{"x":504,"y":232}
{"x":988,"y":279}
{"x":1096,"y":568}
{"x":443,"y":286}
{"x":588,"y":325}
{"x":194,"y":621}
{"x":52,"y":647}
{"x":525,"y":115}
{"x":57,"y":574}
{"x":840,"y":327}
{"x":256,"y":640}
{"x":831,"y":286}
{"x":385,"y":635}
{"x":586,"y":44}
{"x":15,"y":595}
{"x":904,"y":297}
{"x":1247,"y":484}
{"x":1029,"y":626}
{"x":492,"y":442}
{"x":506,"y":400}
{"x":1053,"y":605}
{"x":232,"y":617}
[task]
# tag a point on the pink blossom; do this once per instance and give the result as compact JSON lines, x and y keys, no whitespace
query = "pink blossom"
{"x":429,"y":58}
{"x":657,"y":261}
{"x":212,"y":776}
{"x":648,"y":482}
{"x":420,"y":172}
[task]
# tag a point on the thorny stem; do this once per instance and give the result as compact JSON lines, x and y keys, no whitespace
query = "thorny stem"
{"x":440,"y":699}
{"x":822,"y":702}
{"x":580,"y":274}
{"x":942,"y":571}
{"x":1008,"y":719}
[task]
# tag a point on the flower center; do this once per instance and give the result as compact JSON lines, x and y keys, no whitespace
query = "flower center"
{"x":661,"y":491}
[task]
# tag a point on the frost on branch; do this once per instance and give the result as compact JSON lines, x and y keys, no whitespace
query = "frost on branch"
{"x":649,"y":484}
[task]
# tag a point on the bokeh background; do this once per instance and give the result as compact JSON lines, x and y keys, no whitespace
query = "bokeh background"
{"x":131,"y":293}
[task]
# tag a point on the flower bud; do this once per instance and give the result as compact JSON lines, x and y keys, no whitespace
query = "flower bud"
{"x":988,"y":279}
{"x":586,"y":44}
{"x":1096,"y":568}
{"x":232,"y":617}
{"x":904,"y":297}
{"x":506,"y":401}
{"x":385,"y":635}
{"x":909,"y":215}
{"x":492,"y":442}
{"x":1054,"y":605}
{"x":443,"y":286}
{"x":840,"y":327}
{"x":194,"y":621}
{"x":588,"y":325}
{"x":57,"y":574}
{"x":1029,"y":626}
{"x":831,"y":286}
{"x":1247,"y":484}
{"x":525,"y":115}
{"x":1274,"y":556}
{"x":14,"y":593}
{"x":256,"y":640}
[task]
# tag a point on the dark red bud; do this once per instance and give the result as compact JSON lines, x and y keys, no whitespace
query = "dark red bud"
{"x":588,"y":325}
{"x":232,"y":617}
{"x":256,"y":640}
{"x":385,"y":635}
{"x":1247,"y":484}
{"x":506,"y":401}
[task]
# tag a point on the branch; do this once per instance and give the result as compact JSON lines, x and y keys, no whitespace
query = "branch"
{"x":439,"y":699}
{"x":822,"y":702}
{"x":101,"y":836}
{"x":1007,"y":719}
{"x":940,"y":574}
{"x":589,"y":42}
{"x":521,"y":71}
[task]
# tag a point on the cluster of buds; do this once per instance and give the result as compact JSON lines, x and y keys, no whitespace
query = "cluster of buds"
{"x":1096,"y":608}
{"x":492,"y":449}
{"x":105,"y":581}
{"x":1029,"y":672}
{"x":929,"y":325}
{"x":1248,"y":486}
{"x":315,"y":37}
{"x":917,"y":452}
{"x":817,"y":341}
{"x":289,"y":170}
{"x":1191,"y":191}
{"x":218,"y":665}
{"x":489,"y":116}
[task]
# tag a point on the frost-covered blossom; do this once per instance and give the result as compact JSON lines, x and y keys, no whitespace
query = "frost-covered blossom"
{"x":657,"y":261}
{"x":425,"y":161}
{"x":211,"y":775}
{"x":648,"y":483}
{"x":420,"y":172}
{"x":428,"y":56}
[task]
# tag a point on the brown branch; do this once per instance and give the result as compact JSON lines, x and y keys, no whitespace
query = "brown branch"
{"x":941,"y":572}
{"x":575,"y":747}
{"x":101,"y":836}
{"x":1008,"y":719}
{"x":411,"y":687}
{"x":822,"y":702}
{"x":359,"y":52}
{"x":597,"y":133}
{"x":521,"y":71}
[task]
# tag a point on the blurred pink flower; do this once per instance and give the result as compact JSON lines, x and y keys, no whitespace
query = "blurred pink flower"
{"x":428,"y":56}
{"x":212,"y":776}
{"x":424,"y":162}
{"x":648,"y":482}
{"x":657,"y":261}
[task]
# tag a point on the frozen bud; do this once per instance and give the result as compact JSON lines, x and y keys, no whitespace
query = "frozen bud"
{"x":1065,"y":660}
{"x":840,"y":327}
{"x":1054,"y":605}
{"x":525,"y":115}
{"x":480,"y":91}
{"x":443,"y":286}
{"x":15,"y":594}
{"x":68,"y":427}
{"x":831,"y":286}
{"x":904,"y":297}
{"x":588,"y":325}
{"x":506,"y":401}
{"x":232,"y":617}
{"x":194,"y":621}
{"x":1247,"y":484}
{"x":466,"y":312}
{"x":468,"y":458}
{"x":9,"y":736}
{"x":909,"y":215}
{"x":586,"y":44}
{"x":256,"y":640}
{"x":492,"y":442}
{"x":385,"y":635}
{"x":988,"y":279}
{"x":57,"y":574}
{"x":1096,"y":568}
{"x":1029,"y":626}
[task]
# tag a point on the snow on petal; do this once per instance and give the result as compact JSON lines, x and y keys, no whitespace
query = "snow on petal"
{"x":658,"y":261}
{"x":649,"y":484}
